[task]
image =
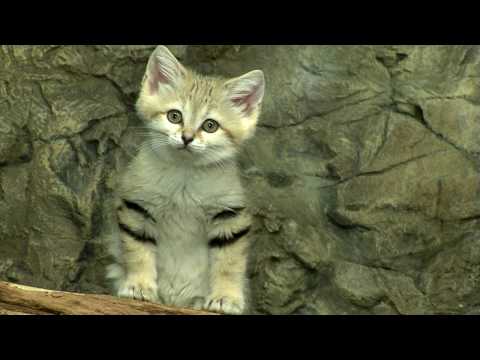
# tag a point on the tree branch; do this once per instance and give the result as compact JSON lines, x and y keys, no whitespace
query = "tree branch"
{"x":24,"y":300}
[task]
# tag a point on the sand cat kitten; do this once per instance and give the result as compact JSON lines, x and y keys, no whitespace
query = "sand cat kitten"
{"x":183,"y":227}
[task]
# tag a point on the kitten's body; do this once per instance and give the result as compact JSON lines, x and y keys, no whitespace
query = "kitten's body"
{"x":182,"y":200}
{"x":183,"y":230}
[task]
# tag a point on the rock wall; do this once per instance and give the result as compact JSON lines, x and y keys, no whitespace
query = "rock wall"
{"x":364,"y":174}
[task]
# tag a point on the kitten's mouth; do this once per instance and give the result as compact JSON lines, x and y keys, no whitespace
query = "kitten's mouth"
{"x":185,"y":148}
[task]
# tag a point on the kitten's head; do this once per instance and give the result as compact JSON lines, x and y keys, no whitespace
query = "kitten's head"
{"x":202,"y":118}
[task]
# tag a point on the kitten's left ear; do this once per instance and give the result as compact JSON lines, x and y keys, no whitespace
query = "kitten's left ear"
{"x":164,"y":69}
{"x":246,"y":92}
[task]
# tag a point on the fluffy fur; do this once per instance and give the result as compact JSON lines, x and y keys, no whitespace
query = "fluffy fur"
{"x":183,"y":225}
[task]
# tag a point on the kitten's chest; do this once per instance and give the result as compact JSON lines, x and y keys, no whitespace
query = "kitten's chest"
{"x":187,"y":201}
{"x":182,"y":200}
{"x":190,"y":193}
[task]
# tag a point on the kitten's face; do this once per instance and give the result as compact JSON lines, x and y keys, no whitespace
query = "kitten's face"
{"x":202,"y":118}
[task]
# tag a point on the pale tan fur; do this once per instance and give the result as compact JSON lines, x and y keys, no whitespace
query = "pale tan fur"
{"x":183,"y":223}
{"x":229,"y":265}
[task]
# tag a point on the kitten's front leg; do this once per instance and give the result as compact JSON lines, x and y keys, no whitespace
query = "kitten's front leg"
{"x":229,"y":244}
{"x":138,"y":253}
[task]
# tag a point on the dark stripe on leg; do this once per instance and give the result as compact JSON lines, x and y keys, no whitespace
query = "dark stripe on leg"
{"x":219,"y":242}
{"x":228,"y":214}
{"x":135,"y":207}
{"x":131,"y":233}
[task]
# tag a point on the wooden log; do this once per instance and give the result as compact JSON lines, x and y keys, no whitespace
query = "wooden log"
{"x":25,"y":300}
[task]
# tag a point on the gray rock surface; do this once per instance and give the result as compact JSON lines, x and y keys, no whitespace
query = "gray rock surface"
{"x":364,"y":174}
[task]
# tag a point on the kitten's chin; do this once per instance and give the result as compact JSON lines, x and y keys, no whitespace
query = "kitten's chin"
{"x":203,"y":158}
{"x":218,"y":159}
{"x":194,"y":157}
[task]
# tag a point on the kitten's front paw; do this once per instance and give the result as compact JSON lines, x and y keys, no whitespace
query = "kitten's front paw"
{"x":225,"y":305}
{"x":139,"y":289}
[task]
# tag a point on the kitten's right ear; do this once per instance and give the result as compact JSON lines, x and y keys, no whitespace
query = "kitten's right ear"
{"x":163,"y":69}
{"x":246,"y":92}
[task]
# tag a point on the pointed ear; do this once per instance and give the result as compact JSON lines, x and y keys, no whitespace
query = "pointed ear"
{"x":246,"y":92}
{"x":163,"y":69}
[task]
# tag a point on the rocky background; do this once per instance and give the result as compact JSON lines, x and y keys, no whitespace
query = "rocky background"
{"x":364,"y":173}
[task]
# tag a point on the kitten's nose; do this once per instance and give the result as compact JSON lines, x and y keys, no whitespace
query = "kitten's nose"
{"x":187,"y":139}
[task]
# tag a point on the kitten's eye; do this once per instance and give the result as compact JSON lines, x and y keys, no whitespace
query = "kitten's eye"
{"x":175,"y":116}
{"x":210,"y":126}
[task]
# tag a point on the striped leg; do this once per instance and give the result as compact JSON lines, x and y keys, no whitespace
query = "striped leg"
{"x":138,"y":252}
{"x":229,"y":242}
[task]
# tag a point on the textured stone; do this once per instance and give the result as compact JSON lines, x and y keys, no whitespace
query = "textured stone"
{"x":357,"y":283}
{"x":363,"y":175}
